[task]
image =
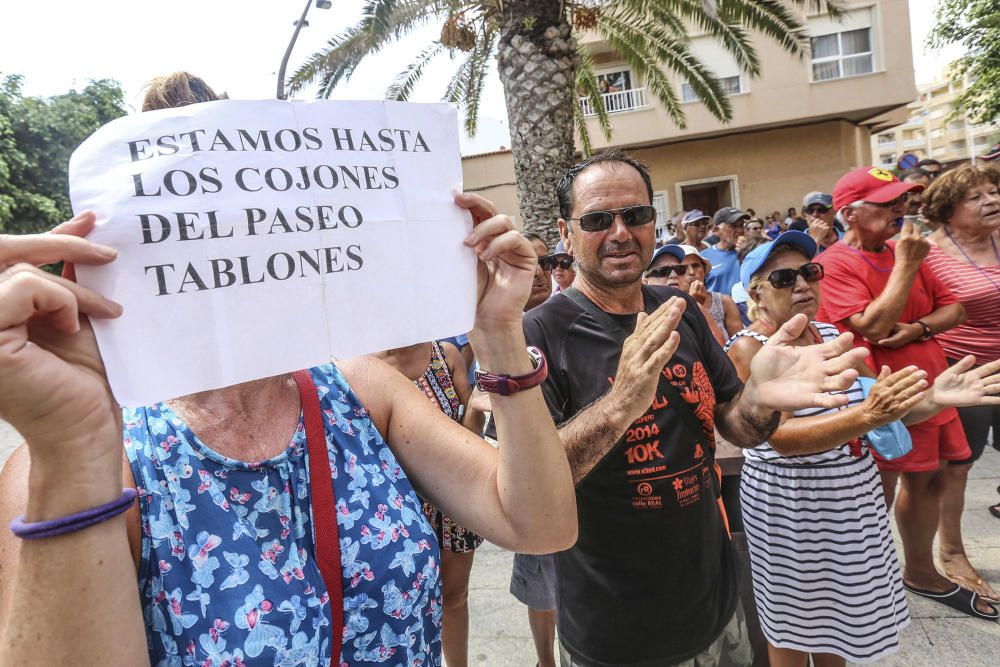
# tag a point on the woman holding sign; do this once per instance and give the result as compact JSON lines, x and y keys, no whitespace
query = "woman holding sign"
{"x":274,"y":525}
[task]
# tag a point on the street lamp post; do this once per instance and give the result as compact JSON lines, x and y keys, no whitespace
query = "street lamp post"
{"x":322,"y":4}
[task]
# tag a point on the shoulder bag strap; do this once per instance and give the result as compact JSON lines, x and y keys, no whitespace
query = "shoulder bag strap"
{"x":324,"y":512}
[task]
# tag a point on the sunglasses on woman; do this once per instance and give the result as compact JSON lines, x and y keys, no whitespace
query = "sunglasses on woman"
{"x":550,"y":262}
{"x":634,"y":216}
{"x":665,"y":271}
{"x":784,"y":278}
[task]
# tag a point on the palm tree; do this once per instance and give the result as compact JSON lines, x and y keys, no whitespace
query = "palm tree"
{"x":544,"y":71}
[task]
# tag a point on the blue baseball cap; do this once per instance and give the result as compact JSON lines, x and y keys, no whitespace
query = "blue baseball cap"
{"x":560,"y":248}
{"x":757,"y":257}
{"x":670,"y":248}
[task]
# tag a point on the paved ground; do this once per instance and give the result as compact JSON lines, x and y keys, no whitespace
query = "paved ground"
{"x":937,"y":637}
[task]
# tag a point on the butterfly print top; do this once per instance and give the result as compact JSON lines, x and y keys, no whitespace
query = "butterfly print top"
{"x":228,"y":575}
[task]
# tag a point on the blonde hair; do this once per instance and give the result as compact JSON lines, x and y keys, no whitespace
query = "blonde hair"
{"x":758,"y":279}
{"x":176,"y":90}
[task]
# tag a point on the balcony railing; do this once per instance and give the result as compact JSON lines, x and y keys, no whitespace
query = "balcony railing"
{"x":623,"y":100}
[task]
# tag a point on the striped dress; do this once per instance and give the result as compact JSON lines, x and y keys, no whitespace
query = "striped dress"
{"x":825,"y":574}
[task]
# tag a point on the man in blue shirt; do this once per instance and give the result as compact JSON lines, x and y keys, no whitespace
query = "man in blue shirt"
{"x":725,"y":260}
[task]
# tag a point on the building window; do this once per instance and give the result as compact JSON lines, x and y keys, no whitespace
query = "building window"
{"x":731,"y":85}
{"x":662,"y":216}
{"x":842,"y":54}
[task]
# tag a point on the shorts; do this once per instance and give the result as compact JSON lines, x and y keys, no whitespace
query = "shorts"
{"x":533,"y":581}
{"x":931,"y":445}
{"x":977,"y":420}
{"x":730,"y":649}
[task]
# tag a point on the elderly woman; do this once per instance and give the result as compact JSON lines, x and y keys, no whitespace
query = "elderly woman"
{"x":963,"y":205}
{"x":689,"y":276}
{"x":563,"y":272}
{"x":225,"y":474}
{"x":278,"y":521}
{"x":826,"y":580}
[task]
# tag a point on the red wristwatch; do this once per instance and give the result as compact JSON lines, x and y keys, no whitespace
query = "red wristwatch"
{"x":505,"y":385}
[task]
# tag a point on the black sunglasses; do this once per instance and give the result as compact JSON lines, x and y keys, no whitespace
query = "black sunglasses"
{"x":665,"y":271}
{"x":815,"y":210}
{"x":556,"y":259}
{"x":784,"y":278}
{"x":634,"y":216}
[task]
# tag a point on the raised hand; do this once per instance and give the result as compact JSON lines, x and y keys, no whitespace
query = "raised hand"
{"x":911,"y":247}
{"x":644,"y":355}
{"x":698,"y":291}
{"x":786,"y":377}
{"x":53,"y":391}
{"x":506,"y":263}
{"x":962,"y":385}
{"x":894,"y":394}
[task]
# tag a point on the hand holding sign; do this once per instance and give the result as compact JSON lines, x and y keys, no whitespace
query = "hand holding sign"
{"x":54,"y":390}
{"x":256,"y":238}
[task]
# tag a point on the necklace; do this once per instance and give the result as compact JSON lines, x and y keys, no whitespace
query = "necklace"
{"x":970,"y":260}
{"x":870,"y":263}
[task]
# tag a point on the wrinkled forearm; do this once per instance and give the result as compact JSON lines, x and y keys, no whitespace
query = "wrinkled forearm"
{"x":881,"y":315}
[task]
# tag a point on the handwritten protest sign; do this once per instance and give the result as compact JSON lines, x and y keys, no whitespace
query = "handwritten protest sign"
{"x":257,"y":238}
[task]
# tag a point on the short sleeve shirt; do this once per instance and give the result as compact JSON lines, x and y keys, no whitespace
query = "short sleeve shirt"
{"x":854,"y":278}
{"x":725,"y":269}
{"x":652,"y":578}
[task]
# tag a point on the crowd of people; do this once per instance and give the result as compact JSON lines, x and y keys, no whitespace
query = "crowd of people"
{"x":332,"y":514}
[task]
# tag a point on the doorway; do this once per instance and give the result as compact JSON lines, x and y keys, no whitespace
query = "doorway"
{"x":708,"y":195}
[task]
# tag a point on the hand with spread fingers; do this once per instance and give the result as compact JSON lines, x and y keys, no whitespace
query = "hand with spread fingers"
{"x":961,"y":384}
{"x":786,"y":378}
{"x":644,"y":354}
{"x":54,"y":387}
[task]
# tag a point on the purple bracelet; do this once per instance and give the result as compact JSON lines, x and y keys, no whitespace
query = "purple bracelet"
{"x":73,"y":522}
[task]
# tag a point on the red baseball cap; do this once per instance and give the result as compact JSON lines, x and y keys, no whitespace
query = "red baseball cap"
{"x":871,"y":184}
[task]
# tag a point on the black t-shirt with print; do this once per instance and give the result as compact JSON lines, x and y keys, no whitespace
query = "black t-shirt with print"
{"x":652,"y":579}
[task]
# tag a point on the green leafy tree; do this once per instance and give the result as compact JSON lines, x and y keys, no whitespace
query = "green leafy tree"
{"x":37,"y":137}
{"x":544,"y":71}
{"x":975,"y":24}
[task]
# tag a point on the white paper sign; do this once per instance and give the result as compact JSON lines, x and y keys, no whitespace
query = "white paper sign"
{"x":260,"y":237}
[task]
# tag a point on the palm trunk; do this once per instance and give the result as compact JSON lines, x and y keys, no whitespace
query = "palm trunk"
{"x":537,"y":63}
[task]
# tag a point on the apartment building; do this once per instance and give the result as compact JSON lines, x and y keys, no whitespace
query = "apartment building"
{"x":931,"y":131}
{"x":797,"y":127}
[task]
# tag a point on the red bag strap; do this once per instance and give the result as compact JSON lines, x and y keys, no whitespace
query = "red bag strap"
{"x":324,"y":511}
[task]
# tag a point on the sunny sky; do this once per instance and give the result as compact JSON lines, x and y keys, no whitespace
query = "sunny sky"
{"x":236,"y":45}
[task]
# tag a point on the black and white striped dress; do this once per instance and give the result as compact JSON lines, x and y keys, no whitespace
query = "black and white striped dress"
{"x":825,"y":574}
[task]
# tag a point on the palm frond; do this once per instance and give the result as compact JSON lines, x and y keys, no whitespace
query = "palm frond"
{"x":582,"y":133}
{"x":381,"y":22}
{"x":403,"y":84}
{"x":479,"y":68}
{"x":648,"y":48}
{"x":586,"y":83}
{"x":773,"y":18}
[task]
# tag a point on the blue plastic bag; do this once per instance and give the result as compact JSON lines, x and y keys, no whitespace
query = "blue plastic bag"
{"x":890,"y":441}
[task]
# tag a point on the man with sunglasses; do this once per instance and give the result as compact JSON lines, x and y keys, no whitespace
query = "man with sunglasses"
{"x":724,"y":255}
{"x":637,"y":385}
{"x":820,"y":220}
{"x":562,"y":269}
{"x":695,"y":228}
{"x":885,"y":293}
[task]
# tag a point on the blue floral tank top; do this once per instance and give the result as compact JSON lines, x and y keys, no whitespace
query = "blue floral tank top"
{"x":228,"y":575}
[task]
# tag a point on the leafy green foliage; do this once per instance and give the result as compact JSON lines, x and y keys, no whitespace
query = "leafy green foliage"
{"x":37,"y":137}
{"x":975,"y":24}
